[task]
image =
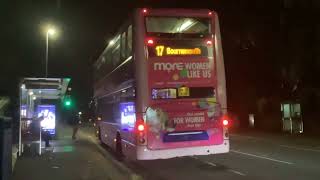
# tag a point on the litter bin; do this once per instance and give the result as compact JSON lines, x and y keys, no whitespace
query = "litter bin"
{"x":6,"y":148}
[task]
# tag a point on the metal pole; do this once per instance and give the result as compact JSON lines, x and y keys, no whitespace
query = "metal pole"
{"x":40,"y":139}
{"x":20,"y":105}
{"x":291,"y":125}
{"x":47,"y":51}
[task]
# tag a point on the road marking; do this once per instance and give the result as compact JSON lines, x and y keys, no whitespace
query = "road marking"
{"x":298,"y":148}
{"x":210,"y":163}
{"x":248,"y":137}
{"x":261,"y":157}
{"x":206,"y":162}
{"x":214,"y":165}
{"x":236,"y":172}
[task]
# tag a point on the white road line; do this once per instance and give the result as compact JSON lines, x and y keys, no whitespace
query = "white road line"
{"x":214,"y":165}
{"x":302,"y":149}
{"x":248,"y":137}
{"x":237,"y":172}
{"x":210,"y":163}
{"x":261,"y":157}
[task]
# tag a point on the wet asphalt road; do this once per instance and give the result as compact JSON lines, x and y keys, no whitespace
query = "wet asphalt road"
{"x":252,"y":156}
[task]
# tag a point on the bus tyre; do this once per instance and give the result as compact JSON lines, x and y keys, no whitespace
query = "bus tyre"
{"x":99,"y":135}
{"x":119,"y":153}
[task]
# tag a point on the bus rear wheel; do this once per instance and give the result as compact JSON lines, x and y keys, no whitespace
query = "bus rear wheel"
{"x":119,"y":153}
{"x":99,"y":135}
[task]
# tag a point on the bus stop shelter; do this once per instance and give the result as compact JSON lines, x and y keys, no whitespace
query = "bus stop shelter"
{"x":33,"y":93}
{"x":291,"y":117}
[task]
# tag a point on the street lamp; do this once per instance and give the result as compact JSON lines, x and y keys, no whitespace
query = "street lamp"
{"x":49,"y":32}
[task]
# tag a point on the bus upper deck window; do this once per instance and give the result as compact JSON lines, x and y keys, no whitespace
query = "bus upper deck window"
{"x":178,"y":25}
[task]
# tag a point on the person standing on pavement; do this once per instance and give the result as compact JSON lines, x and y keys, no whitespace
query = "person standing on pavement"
{"x":74,"y":122}
{"x":75,"y":126}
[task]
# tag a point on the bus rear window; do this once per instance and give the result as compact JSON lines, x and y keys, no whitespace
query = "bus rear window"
{"x":173,"y":25}
{"x":183,"y":93}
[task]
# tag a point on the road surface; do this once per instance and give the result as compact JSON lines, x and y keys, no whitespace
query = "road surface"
{"x":262,"y":157}
{"x":252,"y":156}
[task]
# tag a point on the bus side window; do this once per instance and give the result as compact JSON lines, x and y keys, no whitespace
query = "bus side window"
{"x":107,"y":65}
{"x":116,"y":53}
{"x":129,"y":41}
{"x":123,"y":46}
{"x":104,"y":109}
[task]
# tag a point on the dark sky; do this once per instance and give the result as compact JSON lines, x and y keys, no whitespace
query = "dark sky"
{"x":85,"y":27}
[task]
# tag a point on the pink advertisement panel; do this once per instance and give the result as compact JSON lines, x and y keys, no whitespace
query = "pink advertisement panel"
{"x":181,"y":122}
{"x":177,"y":71}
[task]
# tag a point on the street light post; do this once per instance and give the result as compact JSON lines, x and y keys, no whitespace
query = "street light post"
{"x":47,"y":51}
{"x":49,"y":32}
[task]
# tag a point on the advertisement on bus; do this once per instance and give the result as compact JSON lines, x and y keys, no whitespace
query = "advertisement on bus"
{"x":188,"y":80}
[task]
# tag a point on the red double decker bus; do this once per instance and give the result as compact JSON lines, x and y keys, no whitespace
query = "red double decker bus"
{"x":160,"y":86}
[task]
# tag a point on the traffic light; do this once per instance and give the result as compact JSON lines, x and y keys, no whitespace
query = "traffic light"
{"x":67,"y":101}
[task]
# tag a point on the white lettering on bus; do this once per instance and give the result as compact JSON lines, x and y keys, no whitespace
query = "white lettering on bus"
{"x":194,"y":119}
{"x":180,"y":66}
{"x":167,"y":66}
{"x":197,"y":66}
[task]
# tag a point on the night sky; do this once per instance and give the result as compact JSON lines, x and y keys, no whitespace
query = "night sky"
{"x":85,"y":27}
{"x":251,"y":37}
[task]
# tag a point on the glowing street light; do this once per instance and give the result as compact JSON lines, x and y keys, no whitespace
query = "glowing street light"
{"x":50,"y":31}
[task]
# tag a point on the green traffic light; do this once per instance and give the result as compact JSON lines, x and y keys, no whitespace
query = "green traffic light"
{"x":67,"y":103}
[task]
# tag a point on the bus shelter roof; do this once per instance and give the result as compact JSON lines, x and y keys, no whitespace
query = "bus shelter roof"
{"x":44,"y":88}
{"x":4,"y":101}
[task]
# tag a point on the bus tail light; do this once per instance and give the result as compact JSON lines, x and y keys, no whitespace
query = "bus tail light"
{"x":141,"y":135}
{"x":150,"y":42}
{"x":210,"y":13}
{"x":141,"y":127}
{"x":209,"y":42}
{"x":225,"y":122}
{"x":144,"y":11}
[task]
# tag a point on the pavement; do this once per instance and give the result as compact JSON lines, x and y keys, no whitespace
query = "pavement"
{"x":253,"y":156}
{"x":83,"y":159}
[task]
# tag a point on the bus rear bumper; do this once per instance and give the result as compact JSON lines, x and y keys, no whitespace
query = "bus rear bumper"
{"x":143,"y":153}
